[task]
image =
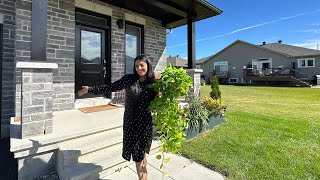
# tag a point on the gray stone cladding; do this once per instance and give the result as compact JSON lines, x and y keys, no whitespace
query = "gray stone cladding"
{"x":7,"y":11}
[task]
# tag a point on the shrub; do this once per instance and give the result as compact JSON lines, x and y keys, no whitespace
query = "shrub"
{"x":215,"y":91}
{"x":214,"y":106}
{"x":203,"y":82}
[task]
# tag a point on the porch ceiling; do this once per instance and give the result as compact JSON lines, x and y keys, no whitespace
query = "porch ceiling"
{"x":172,"y":13}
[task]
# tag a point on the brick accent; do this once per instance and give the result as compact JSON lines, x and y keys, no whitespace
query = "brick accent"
{"x":7,"y":9}
{"x":61,"y":50}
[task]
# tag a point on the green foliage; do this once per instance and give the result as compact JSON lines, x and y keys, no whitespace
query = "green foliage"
{"x":203,"y":82}
{"x":174,"y":83}
{"x":268,"y":134}
{"x":199,"y":115}
{"x":214,"y":106}
{"x":215,"y":91}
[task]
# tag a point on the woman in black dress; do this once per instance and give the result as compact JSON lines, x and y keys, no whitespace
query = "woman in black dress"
{"x":137,"y":121}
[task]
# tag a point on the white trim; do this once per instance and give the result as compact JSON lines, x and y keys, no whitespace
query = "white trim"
{"x":217,"y":63}
{"x":94,"y":7}
{"x":36,"y":65}
{"x":134,"y":18}
{"x":269,"y":60}
{"x":194,"y":70}
{"x":237,"y":80}
{"x":306,"y":62}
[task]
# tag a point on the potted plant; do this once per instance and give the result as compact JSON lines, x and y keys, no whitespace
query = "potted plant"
{"x":173,"y":84}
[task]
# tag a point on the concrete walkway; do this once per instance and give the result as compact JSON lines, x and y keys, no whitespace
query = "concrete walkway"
{"x":178,"y":168}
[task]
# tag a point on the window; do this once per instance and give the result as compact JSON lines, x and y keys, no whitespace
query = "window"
{"x":307,"y":62}
{"x":221,"y":66}
{"x":134,"y":45}
{"x":262,"y":63}
{"x":233,"y":80}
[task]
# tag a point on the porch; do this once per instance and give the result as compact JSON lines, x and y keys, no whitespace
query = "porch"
{"x":47,"y":132}
{"x":82,"y":145}
{"x":291,"y":76}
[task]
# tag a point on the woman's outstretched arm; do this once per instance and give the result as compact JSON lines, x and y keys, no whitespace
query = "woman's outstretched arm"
{"x":115,"y":86}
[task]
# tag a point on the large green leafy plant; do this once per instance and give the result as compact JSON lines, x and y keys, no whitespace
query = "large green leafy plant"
{"x":174,"y":83}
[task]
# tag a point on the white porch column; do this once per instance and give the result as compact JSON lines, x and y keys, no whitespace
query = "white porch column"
{"x":196,"y":76}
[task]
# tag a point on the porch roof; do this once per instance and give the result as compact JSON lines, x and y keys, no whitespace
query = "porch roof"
{"x":172,"y":13}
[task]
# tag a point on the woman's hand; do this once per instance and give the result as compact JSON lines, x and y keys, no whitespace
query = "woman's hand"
{"x":83,"y":91}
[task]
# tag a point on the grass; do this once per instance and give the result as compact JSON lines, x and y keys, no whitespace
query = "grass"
{"x":269,"y":133}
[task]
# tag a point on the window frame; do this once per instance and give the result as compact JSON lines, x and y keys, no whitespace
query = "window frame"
{"x":237,"y":81}
{"x":216,"y":63}
{"x":141,"y":40}
{"x":306,"y":62}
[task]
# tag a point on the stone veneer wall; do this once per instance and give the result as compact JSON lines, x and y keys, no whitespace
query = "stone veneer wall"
{"x":7,"y":10}
{"x":154,"y":38}
{"x":154,"y":47}
{"x":61,"y":50}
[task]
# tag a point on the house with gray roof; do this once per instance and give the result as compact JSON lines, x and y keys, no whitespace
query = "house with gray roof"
{"x":266,"y":64}
{"x":177,"y":61}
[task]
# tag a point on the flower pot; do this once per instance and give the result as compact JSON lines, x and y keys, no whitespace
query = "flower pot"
{"x":213,"y":122}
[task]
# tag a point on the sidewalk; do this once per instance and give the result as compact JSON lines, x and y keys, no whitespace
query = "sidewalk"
{"x":178,"y":168}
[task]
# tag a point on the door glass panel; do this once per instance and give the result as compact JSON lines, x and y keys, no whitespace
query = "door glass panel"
{"x":133,"y":46}
{"x":90,"y":47}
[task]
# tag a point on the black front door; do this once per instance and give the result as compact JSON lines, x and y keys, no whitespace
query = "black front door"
{"x":91,"y":61}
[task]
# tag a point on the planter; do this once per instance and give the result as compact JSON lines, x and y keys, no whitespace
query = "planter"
{"x":214,"y":121}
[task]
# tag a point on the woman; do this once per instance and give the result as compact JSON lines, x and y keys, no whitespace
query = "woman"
{"x":137,"y":121}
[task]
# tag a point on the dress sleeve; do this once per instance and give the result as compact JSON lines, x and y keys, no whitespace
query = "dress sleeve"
{"x":115,"y":86}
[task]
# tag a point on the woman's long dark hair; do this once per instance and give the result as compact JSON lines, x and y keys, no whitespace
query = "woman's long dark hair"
{"x":150,"y":73}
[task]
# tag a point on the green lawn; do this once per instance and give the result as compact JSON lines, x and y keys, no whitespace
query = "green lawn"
{"x":269,"y":133}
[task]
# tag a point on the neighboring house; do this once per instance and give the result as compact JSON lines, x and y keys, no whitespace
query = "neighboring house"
{"x":50,"y":48}
{"x":177,"y":62}
{"x":275,"y":63}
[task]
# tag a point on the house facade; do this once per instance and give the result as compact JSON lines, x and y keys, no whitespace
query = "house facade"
{"x":245,"y":63}
{"x":50,"y":48}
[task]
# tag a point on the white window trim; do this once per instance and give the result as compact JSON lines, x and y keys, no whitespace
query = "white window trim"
{"x":254,"y":61}
{"x":217,"y":62}
{"x":306,"y":62}
{"x":237,"y":81}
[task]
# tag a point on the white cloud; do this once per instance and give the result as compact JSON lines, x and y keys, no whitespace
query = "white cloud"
{"x":311,"y":43}
{"x":90,"y":45}
{"x":253,"y":26}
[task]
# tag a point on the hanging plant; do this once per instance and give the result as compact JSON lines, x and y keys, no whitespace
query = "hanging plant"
{"x":167,"y":116}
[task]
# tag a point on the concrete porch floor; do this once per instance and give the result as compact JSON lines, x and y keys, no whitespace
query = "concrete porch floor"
{"x":74,"y":123}
{"x":69,"y":124}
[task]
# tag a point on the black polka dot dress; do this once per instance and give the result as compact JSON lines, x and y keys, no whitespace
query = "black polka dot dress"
{"x":137,"y":120}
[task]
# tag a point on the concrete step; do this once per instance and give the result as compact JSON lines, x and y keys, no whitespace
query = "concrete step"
{"x":100,"y":164}
{"x":70,"y":156}
{"x":106,"y":172}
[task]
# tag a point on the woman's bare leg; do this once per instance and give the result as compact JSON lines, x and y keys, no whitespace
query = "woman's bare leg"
{"x":142,"y":168}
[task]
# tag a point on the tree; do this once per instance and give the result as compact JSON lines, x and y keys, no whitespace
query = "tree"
{"x":215,"y":91}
